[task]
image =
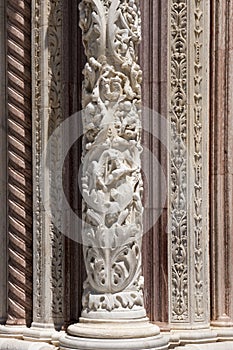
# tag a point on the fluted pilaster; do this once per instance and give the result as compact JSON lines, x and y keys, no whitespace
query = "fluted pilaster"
{"x":153,"y":59}
{"x":221,"y":166}
{"x":73,"y":62}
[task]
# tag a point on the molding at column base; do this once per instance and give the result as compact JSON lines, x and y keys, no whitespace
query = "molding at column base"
{"x":209,"y":346}
{"x":174,"y":339}
{"x":15,"y":344}
{"x":163,"y":326}
{"x":195,"y":336}
{"x":77,"y":343}
{"x":10,"y":331}
{"x":114,"y":329}
{"x":224,"y":334}
{"x":40,"y":332}
{"x":223,"y":321}
{"x":135,"y":313}
{"x":56,"y":338}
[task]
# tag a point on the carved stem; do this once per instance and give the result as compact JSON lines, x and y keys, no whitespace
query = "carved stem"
{"x":111,"y":181}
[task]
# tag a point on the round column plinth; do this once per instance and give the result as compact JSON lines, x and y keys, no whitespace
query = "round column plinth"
{"x":77,"y":343}
{"x":40,"y":332}
{"x":10,"y":331}
{"x":115,"y":335}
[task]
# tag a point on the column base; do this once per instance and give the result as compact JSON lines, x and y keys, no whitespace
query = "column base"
{"x":115,"y":335}
{"x":217,"y":346}
{"x":222,"y":321}
{"x":10,"y":331}
{"x":15,"y":344}
{"x":113,"y":329}
{"x":78,"y":343}
{"x":40,"y":332}
{"x":224,"y":334}
{"x":196,"y":336}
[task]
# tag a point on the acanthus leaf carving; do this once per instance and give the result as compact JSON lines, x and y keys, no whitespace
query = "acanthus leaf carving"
{"x":178,"y":162}
{"x":111,"y":181}
{"x":187,"y":242}
{"x":47,"y":84}
{"x":198,"y":159}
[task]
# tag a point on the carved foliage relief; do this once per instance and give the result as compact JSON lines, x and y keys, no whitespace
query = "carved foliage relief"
{"x":37,"y":157}
{"x":111,"y":181}
{"x":198,"y":111}
{"x":47,"y":116}
{"x":178,"y":165}
{"x":56,"y":117}
{"x":186,"y":166}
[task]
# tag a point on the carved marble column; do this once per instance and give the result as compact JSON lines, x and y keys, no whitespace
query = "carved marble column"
{"x":222,"y":168}
{"x":188,"y":103}
{"x":48,"y":303}
{"x":3,"y":168}
{"x":113,"y":313}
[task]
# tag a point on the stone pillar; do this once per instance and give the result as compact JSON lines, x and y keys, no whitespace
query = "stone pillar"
{"x":113,"y":315}
{"x":19,"y":177}
{"x":188,"y":103}
{"x":3,"y":168}
{"x":48,"y":303}
{"x":222,"y":168}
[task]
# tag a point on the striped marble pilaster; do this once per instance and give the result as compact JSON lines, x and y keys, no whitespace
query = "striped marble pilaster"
{"x":3,"y":168}
{"x":19,"y":163}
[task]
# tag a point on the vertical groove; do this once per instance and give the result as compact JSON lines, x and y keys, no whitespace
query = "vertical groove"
{"x":221,"y":165}
{"x":72,"y":86}
{"x":19,"y":163}
{"x":153,"y":57}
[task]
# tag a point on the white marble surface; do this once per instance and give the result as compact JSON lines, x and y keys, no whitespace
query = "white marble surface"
{"x":13,"y":344}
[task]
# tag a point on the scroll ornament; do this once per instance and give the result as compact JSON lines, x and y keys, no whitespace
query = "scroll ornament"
{"x":111,"y":178}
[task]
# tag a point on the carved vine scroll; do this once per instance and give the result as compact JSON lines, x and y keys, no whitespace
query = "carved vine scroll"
{"x":111,"y":178}
{"x":178,"y":177}
{"x":188,"y":187}
{"x":47,"y":115}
